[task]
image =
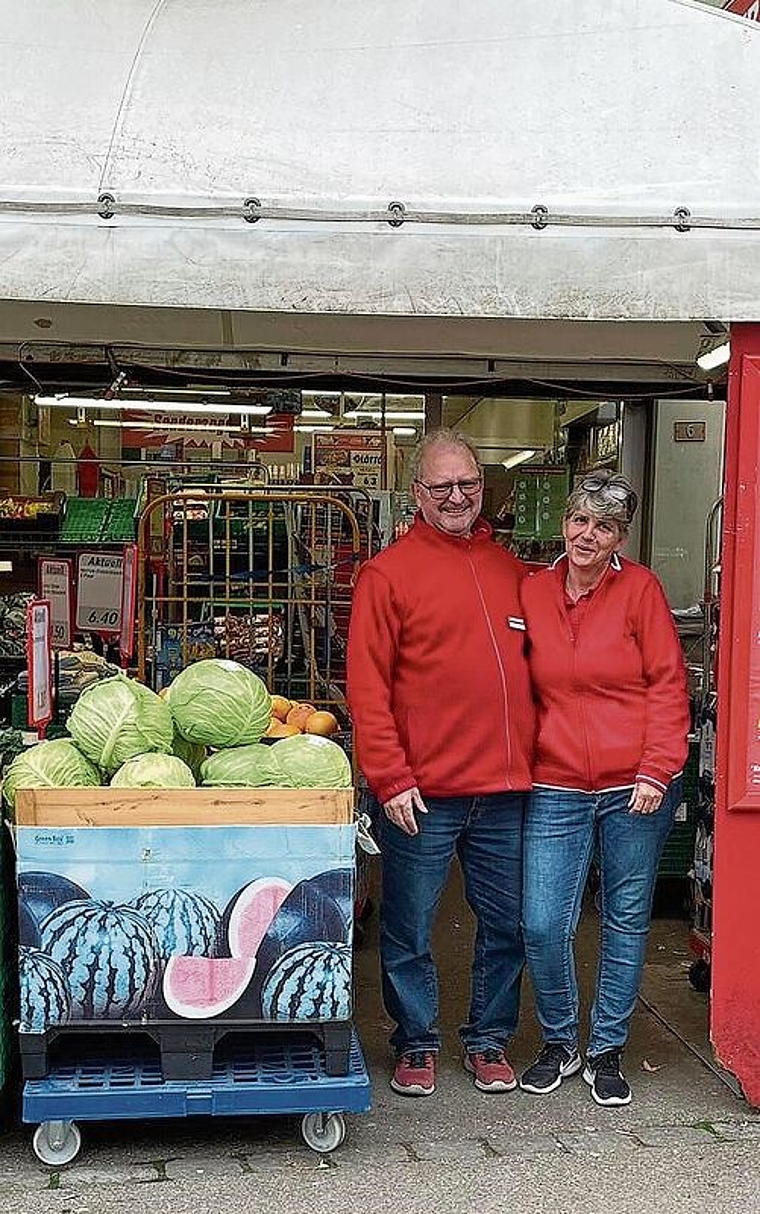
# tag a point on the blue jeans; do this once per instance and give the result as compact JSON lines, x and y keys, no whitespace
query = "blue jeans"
{"x":561,"y":830}
{"x":486,"y":834}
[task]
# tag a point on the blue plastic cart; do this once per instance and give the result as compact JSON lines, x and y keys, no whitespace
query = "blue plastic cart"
{"x":263,"y":1075}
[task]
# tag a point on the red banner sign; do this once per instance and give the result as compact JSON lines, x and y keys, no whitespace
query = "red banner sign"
{"x":150,"y":431}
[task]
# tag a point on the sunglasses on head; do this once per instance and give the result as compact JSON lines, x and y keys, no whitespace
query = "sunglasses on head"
{"x":595,"y":484}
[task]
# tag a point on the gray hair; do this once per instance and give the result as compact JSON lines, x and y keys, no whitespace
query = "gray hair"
{"x":606,"y":494}
{"x":444,"y":437}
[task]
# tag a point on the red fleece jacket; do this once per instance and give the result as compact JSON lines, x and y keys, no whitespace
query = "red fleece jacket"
{"x":438,"y":684}
{"x":613,"y":704}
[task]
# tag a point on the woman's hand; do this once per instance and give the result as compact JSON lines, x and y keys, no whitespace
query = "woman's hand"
{"x":400,"y":810}
{"x":645,"y":798}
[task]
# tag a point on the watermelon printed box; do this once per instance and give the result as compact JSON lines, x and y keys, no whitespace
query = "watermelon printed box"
{"x":244,"y":923}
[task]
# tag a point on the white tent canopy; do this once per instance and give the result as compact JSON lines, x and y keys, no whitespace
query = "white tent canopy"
{"x":623,"y":118}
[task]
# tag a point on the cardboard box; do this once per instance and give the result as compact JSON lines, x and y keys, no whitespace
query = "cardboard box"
{"x":147,"y":906}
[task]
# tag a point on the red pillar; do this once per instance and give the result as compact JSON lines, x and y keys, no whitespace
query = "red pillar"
{"x":735,"y":1006}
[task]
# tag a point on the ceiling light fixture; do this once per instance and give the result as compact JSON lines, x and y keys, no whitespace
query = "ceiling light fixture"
{"x":151,"y":406}
{"x":391,"y":415}
{"x":160,"y":427}
{"x":519,"y":457}
{"x":715,"y":358}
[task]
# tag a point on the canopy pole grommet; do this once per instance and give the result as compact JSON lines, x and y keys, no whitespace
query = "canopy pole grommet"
{"x":398,"y":212}
{"x":251,"y":205}
{"x":106,"y":204}
{"x":681,"y":216}
{"x":542,"y":217}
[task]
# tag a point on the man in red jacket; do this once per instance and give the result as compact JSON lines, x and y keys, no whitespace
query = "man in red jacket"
{"x":440,"y":699}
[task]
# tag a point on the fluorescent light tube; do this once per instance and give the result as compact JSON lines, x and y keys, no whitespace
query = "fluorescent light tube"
{"x":715,"y":358}
{"x":519,"y":457}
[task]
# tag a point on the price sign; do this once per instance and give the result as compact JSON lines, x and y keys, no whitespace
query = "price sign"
{"x":100,"y":578}
{"x":40,"y":664}
{"x":55,"y":583}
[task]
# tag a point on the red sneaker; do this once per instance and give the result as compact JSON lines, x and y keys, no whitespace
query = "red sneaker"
{"x":491,"y":1070}
{"x":415,"y":1073}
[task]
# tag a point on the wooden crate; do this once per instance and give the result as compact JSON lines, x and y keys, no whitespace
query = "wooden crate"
{"x":184,"y":807}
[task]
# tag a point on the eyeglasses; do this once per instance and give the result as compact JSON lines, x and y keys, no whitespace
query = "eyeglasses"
{"x":439,"y":493}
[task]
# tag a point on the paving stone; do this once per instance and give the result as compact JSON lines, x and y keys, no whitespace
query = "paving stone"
{"x":454,"y":1148}
{"x":673,"y":1136}
{"x":366,"y":1154}
{"x":603,"y":1142}
{"x":526,"y":1145}
{"x":196,"y":1166}
{"x":729,"y":1131}
{"x":138,"y":1174}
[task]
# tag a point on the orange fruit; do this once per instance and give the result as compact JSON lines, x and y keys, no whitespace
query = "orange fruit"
{"x":280,"y":729}
{"x":323,"y":723}
{"x":299,"y":714}
{"x":281,"y":706}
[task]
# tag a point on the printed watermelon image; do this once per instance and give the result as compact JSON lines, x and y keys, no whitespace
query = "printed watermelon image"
{"x":28,"y":928}
{"x":39,"y":894}
{"x":250,"y":912}
{"x":307,"y":915}
{"x":310,"y":982}
{"x":338,"y":884}
{"x":204,"y":987}
{"x":184,"y":923}
{"x":45,"y":998}
{"x":109,"y":954}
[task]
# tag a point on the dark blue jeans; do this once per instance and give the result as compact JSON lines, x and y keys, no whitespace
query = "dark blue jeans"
{"x":561,"y":830}
{"x":486,"y":834}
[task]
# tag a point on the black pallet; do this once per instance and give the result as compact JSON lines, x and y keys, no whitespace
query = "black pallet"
{"x":186,"y":1048}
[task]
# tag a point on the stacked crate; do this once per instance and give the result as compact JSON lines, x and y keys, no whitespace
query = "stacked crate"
{"x":678,"y":852}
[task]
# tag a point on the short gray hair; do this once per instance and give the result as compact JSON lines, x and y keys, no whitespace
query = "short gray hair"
{"x":606,"y":494}
{"x":443,"y":437}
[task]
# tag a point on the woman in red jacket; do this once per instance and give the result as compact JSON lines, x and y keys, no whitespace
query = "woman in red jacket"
{"x":613,"y":715}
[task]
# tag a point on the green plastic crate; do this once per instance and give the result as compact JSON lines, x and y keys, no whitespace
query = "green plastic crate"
{"x":119,"y":524}
{"x":84,"y":519}
{"x":678,"y":852}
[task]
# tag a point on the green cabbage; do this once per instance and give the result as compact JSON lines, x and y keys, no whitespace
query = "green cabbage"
{"x":153,"y":771}
{"x":56,"y":764}
{"x":118,"y":718}
{"x":253,"y":766}
{"x":220,"y":703}
{"x":311,"y":761}
{"x":191,"y":753}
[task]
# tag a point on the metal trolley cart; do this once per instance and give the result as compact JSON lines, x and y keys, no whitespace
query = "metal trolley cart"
{"x":260,"y":574}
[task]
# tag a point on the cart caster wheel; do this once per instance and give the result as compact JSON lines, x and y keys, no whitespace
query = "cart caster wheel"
{"x":699,"y":976}
{"x":323,"y":1132}
{"x":57,"y":1143}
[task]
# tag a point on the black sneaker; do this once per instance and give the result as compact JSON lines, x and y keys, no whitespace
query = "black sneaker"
{"x":555,"y":1063}
{"x":609,"y":1085}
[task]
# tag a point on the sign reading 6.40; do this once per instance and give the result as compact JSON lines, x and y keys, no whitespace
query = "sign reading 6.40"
{"x":100,"y":576}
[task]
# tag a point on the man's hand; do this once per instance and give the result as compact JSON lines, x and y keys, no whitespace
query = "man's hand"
{"x":400,"y":809}
{"x":645,"y":798}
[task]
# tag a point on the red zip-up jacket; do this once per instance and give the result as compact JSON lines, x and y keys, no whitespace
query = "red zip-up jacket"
{"x":612,"y":705}
{"x":438,"y":684}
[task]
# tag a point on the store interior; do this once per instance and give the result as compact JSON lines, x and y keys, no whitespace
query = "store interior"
{"x":249,"y":505}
